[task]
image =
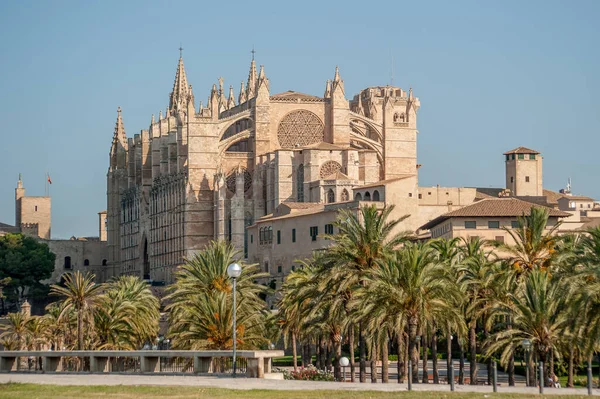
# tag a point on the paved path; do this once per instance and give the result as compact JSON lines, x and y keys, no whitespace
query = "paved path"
{"x":247,"y":383}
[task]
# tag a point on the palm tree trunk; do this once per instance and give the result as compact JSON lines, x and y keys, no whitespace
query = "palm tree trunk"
{"x":406,"y":355}
{"x":436,"y":376}
{"x":511,"y":370}
{"x":323,"y":353}
{"x":400,"y":362}
{"x":461,"y":364}
{"x":337,"y":369}
{"x":448,"y":354}
{"x":412,"y":350}
{"x":570,"y":371}
{"x":79,"y":329}
{"x":294,"y":352}
{"x":425,"y":378}
{"x":473,"y":352}
{"x":362,"y":354}
{"x":551,"y":363}
{"x":374,"y":353}
{"x":385,"y":377}
{"x":329,"y":345}
{"x":351,"y":344}
{"x":318,"y":349}
{"x":489,"y":360}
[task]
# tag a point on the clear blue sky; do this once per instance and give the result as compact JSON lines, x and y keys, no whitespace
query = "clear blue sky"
{"x":491,"y":76}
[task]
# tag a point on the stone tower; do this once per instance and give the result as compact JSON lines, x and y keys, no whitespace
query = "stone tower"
{"x":524,"y":172}
{"x":32,"y":214}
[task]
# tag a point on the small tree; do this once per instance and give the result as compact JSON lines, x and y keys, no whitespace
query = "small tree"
{"x":26,"y":262}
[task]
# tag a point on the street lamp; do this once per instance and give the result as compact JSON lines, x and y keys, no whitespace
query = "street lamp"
{"x":526,"y":346}
{"x":344,"y":362}
{"x":234,"y":270}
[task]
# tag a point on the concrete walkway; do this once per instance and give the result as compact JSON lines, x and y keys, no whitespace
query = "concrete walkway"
{"x":247,"y":383}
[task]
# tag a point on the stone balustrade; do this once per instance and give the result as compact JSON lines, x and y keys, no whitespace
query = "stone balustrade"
{"x":258,"y":362}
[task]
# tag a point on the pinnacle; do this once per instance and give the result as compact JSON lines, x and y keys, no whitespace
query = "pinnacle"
{"x":181,"y":89}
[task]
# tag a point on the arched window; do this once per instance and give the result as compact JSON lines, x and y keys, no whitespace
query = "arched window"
{"x":104,"y":262}
{"x":270,"y":234}
{"x":86,"y":262}
{"x":330,"y":196}
{"x":367,"y":196}
{"x":261,"y":233}
{"x":375,"y":195}
{"x":300,"y":183}
{"x":67,"y":262}
{"x":358,"y":197}
{"x":344,"y":196}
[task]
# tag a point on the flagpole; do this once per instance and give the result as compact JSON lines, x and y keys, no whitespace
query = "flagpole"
{"x":47,"y":188}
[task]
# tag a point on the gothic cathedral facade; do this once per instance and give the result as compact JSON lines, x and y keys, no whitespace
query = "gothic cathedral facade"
{"x":199,"y":174}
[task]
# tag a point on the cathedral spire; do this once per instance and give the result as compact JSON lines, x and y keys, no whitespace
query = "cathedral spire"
{"x":119,"y":139}
{"x":252,"y":81}
{"x":181,"y":91}
{"x":242,"y":96}
{"x":359,"y":108}
{"x":338,"y":83}
{"x":231,"y":99}
{"x":120,"y":135}
{"x":262,"y":79}
{"x":327,"y":89}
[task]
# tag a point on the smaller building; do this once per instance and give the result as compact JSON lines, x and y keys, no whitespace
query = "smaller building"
{"x":486,"y":219}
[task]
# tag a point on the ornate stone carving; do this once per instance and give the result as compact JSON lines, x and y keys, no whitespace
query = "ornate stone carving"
{"x":329,"y":168}
{"x":300,"y":128}
{"x":230,"y":180}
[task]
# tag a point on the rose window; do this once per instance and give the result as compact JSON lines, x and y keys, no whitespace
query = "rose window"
{"x":300,"y":128}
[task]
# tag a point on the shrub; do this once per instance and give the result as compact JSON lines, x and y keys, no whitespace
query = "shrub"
{"x":309,"y":373}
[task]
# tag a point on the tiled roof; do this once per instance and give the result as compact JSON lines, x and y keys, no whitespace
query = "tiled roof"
{"x":485,"y":192}
{"x":578,"y":197}
{"x":381,"y":183}
{"x":337,"y":176}
{"x":552,"y":196}
{"x":521,"y":150}
{"x":294,"y":94}
{"x":592,"y":223}
{"x":493,"y":207}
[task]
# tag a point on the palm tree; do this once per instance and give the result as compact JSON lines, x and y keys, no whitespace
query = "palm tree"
{"x":412,"y":288}
{"x":537,"y":311}
{"x":534,"y":245}
{"x":479,"y":281}
{"x":295,"y":303}
{"x":364,"y":239}
{"x":447,"y":253}
{"x":15,"y":332}
{"x":143,"y":307}
{"x":200,"y":302}
{"x":79,"y":292}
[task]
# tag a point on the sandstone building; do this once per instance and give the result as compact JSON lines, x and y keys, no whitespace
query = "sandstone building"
{"x":269,"y":172}
{"x":203,"y":173}
{"x":33,"y":218}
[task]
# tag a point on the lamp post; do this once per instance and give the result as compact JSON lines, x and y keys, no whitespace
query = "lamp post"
{"x":234,"y":271}
{"x":344,"y":362}
{"x":526,"y":346}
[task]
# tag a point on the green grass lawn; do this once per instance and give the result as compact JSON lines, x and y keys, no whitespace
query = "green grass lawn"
{"x":33,"y":391}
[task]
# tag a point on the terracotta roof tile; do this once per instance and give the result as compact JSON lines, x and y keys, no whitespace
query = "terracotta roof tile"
{"x":521,"y":150}
{"x":493,"y":207}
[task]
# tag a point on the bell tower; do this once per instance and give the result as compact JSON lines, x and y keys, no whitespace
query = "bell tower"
{"x":524,"y":172}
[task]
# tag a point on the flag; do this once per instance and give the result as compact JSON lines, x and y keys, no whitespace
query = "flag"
{"x":49,"y":181}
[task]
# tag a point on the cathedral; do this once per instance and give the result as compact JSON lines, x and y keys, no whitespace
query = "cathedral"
{"x":200,"y":173}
